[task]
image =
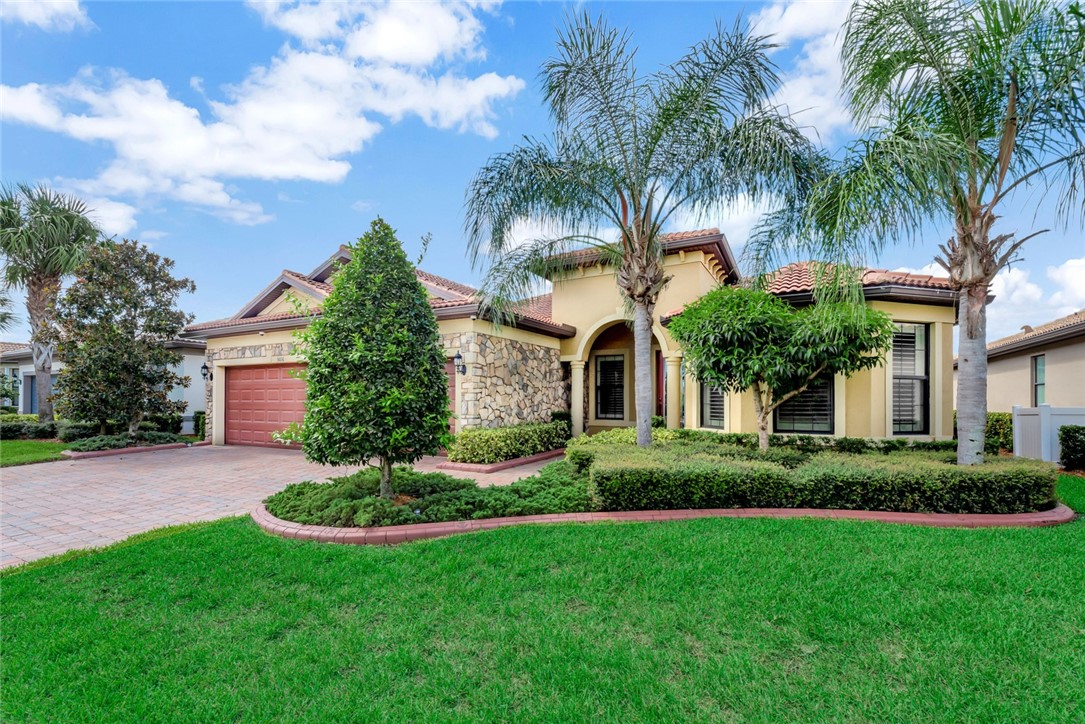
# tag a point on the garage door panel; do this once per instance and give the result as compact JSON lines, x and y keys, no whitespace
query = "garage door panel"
{"x":260,"y":401}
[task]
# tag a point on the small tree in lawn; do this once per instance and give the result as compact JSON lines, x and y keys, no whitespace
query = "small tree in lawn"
{"x":376,"y":386}
{"x":737,"y":339}
{"x":115,"y":321}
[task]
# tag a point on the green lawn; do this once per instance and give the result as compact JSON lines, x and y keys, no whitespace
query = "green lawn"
{"x":20,"y":452}
{"x":728,"y":619}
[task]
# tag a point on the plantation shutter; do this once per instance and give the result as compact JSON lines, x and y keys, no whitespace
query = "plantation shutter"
{"x":911,"y":380}
{"x":610,"y":387}
{"x":712,"y":412}
{"x":808,"y":412}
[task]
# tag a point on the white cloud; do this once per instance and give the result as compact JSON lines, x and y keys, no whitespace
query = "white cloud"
{"x":933,"y":269}
{"x":152,"y":235}
{"x":363,"y":205}
{"x":59,"y":15}
{"x":811,"y":87}
{"x":735,"y":220}
{"x":1070,"y":278}
{"x":299,"y":117}
{"x":112,"y":217}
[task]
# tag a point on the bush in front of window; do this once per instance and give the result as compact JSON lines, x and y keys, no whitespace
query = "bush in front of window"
{"x":1072,"y":442}
{"x":487,"y":445}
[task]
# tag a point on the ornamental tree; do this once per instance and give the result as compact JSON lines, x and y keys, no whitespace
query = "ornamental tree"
{"x":376,"y":385}
{"x":115,"y":321}
{"x":738,"y":338}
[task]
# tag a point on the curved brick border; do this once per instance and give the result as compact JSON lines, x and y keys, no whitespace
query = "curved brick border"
{"x":73,"y":455}
{"x":403,"y":533}
{"x":503,"y":465}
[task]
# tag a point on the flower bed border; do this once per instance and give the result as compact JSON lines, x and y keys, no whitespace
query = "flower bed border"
{"x":74,"y":455}
{"x":392,"y":534}
{"x":503,"y":465}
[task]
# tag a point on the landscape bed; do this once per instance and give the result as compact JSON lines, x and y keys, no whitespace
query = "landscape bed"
{"x":759,"y":619}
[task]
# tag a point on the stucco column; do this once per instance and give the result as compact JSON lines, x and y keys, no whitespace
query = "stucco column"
{"x":673,"y":400}
{"x":576,"y":396}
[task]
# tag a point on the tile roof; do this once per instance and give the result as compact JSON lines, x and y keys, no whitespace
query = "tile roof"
{"x":455,"y":287}
{"x":322,"y":287}
{"x":665,"y":239}
{"x":239,"y":322}
{"x":13,"y":346}
{"x":1038,"y":334}
{"x":539,"y":308}
{"x":799,"y":277}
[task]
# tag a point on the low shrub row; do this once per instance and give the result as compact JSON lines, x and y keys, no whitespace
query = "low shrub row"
{"x":1072,"y":442}
{"x":428,"y":498}
{"x":12,"y":417}
{"x":27,"y":430}
{"x":199,"y":424}
{"x":679,"y":477}
{"x":486,"y":445}
{"x":116,"y":442}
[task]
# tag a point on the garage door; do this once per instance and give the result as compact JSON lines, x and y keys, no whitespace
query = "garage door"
{"x":261,"y":400}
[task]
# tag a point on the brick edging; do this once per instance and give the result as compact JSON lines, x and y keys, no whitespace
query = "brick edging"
{"x":503,"y":465}
{"x":73,"y":455}
{"x":402,"y":533}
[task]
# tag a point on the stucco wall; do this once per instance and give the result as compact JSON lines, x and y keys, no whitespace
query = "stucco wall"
{"x":1009,"y":378}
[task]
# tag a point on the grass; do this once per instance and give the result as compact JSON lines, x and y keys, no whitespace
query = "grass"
{"x":22,"y":452}
{"x":729,"y":619}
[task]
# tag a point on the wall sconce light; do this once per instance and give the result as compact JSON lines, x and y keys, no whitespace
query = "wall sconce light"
{"x":457,"y":362}
{"x":206,"y":373}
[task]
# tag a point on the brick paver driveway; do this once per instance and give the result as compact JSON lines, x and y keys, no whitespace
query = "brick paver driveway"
{"x":49,"y":508}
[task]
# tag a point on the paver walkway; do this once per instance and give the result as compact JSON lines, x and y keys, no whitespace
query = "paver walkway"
{"x":50,"y":508}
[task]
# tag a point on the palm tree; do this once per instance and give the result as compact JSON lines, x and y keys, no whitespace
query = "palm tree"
{"x":963,"y":103}
{"x":7,"y":315}
{"x":627,"y":152}
{"x":44,"y":236}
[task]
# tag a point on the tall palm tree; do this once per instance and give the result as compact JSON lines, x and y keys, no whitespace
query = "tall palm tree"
{"x":964,"y":103}
{"x":44,"y":236}
{"x":628,"y":151}
{"x":7,"y":313}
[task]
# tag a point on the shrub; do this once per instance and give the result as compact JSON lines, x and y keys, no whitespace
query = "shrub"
{"x":72,"y":431}
{"x":999,"y":432}
{"x":693,"y":484}
{"x":164,"y":423}
{"x":41,"y":430}
{"x":199,"y":424}
{"x":12,"y":430}
{"x":101,"y":442}
{"x":153,"y":437}
{"x":854,"y":445}
{"x":494,"y":444}
{"x":893,"y":444}
{"x":9,"y":417}
{"x":659,"y":422}
{"x":1072,"y":442}
{"x":628,"y":436}
{"x":8,"y":409}
{"x":944,"y":446}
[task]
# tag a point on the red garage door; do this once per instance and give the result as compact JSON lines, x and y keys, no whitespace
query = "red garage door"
{"x":261,"y":400}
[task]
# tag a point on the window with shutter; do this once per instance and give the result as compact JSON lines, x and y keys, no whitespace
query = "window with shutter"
{"x":808,"y":412}
{"x":610,"y":387}
{"x":712,"y":414}
{"x":911,"y":380}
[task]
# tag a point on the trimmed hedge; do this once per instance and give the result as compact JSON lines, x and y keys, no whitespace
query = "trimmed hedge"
{"x":678,"y":477}
{"x":11,"y":417}
{"x":1072,"y":442}
{"x":100,"y":442}
{"x":199,"y":424}
{"x":12,"y":430}
{"x":8,"y":409}
{"x":485,"y":445}
{"x":72,"y":431}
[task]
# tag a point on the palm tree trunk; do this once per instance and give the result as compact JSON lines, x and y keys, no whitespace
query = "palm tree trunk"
{"x":642,"y":371}
{"x":40,"y":299}
{"x":386,"y":478}
{"x":972,"y":375}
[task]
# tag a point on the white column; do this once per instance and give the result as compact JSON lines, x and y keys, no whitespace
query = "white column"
{"x":576,"y":396}
{"x":672,"y":400}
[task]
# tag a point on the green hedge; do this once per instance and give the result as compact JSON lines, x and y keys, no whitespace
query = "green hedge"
{"x":18,"y":430}
{"x":11,"y":417}
{"x":485,"y":445}
{"x":199,"y":424}
{"x":100,"y":442}
{"x":687,"y":477}
{"x":1072,"y":442}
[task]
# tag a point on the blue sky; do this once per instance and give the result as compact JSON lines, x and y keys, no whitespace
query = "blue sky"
{"x":240,"y":139}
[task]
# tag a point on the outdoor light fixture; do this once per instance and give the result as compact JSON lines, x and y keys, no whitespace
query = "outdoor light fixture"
{"x":207,"y":373}
{"x":457,"y":362}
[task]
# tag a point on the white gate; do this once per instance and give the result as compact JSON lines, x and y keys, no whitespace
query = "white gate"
{"x":1036,"y":430}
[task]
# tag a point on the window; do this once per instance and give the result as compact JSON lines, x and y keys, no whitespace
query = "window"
{"x":808,"y":412}
{"x":711,"y":407}
{"x":1039,"y":388}
{"x":911,"y":380}
{"x":610,"y":387}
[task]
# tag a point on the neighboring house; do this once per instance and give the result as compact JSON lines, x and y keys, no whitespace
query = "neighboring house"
{"x":10,"y":370}
{"x":1038,"y":365}
{"x":15,"y":360}
{"x":573,"y":349}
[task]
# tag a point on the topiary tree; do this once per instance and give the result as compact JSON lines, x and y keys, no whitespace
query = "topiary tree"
{"x":115,"y":321}
{"x":737,"y":338}
{"x":376,"y":384}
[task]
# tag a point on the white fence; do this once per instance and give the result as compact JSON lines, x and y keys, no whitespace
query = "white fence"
{"x":1036,"y":430}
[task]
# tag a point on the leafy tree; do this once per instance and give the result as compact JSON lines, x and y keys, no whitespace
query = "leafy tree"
{"x":9,"y":389}
{"x":738,"y":338}
{"x":44,"y":236}
{"x":962,"y":103}
{"x":628,"y":152}
{"x":376,"y":386}
{"x":116,"y":320}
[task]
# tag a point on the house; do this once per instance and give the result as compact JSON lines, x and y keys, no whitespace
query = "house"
{"x":1038,"y":365}
{"x":16,"y":361}
{"x":573,"y":349}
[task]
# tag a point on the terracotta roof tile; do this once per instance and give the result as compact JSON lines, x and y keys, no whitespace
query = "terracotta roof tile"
{"x":799,"y":277}
{"x":236,"y":322}
{"x":1041,"y":331}
{"x":540,"y":308}
{"x":322,"y":287}
{"x":438,"y":281}
{"x":13,"y":346}
{"x":664,"y":238}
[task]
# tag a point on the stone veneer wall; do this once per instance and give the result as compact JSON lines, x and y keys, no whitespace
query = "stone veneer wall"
{"x":249,"y":351}
{"x":507,"y":381}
